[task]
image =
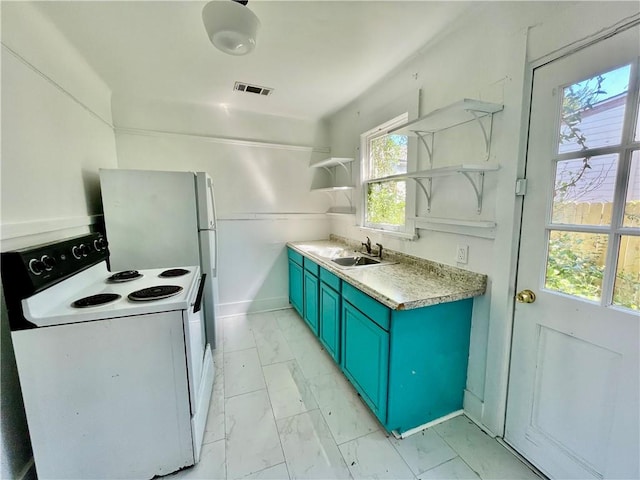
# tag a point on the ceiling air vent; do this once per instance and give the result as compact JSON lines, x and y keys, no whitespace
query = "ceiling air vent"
{"x":245,"y":87}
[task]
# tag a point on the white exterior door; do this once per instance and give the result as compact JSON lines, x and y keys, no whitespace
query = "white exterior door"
{"x":573,"y":403}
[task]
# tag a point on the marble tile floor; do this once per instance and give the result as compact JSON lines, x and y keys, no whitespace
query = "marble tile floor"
{"x":281,"y":409}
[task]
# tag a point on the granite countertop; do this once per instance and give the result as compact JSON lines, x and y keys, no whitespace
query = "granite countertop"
{"x":403,"y":282}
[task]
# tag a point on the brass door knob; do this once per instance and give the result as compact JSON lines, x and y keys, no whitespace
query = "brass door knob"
{"x":526,"y":296}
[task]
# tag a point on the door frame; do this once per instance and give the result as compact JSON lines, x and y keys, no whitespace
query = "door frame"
{"x":504,"y":357}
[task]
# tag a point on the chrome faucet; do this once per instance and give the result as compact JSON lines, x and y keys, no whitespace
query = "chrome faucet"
{"x":367,"y":245}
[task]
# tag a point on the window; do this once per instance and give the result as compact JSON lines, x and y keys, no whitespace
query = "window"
{"x":593,"y":233}
{"x":385,"y":155}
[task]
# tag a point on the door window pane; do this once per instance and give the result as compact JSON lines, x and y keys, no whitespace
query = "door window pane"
{"x":583,"y":190}
{"x":632,"y":205}
{"x":575,"y":263}
{"x":626,"y":292}
{"x":593,"y":111}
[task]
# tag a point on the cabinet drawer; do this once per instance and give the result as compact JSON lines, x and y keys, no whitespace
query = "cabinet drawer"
{"x":367,"y":305}
{"x":330,"y":279}
{"x":311,"y":266}
{"x":294,"y":256}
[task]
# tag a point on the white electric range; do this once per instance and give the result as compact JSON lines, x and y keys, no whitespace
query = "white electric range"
{"x":115,"y":373}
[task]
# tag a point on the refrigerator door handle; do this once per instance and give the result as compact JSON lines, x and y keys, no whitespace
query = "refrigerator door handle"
{"x":197,"y":305}
{"x":212,"y":201}
{"x":215,"y":228}
{"x":215,"y":261}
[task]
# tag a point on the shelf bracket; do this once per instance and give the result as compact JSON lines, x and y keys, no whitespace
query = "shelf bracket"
{"x":427,"y":145}
{"x":478,"y":188}
{"x":487,"y":136}
{"x":346,"y":169}
{"x":348,"y":197}
{"x":330,"y":172}
{"x":426,"y":189}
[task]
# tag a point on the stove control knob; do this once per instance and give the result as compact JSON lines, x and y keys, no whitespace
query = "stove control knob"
{"x":36,"y":266}
{"x":80,"y":251}
{"x":48,"y":262}
{"x":100,"y":244}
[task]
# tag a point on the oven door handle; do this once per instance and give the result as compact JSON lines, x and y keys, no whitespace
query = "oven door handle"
{"x":198,"y":303}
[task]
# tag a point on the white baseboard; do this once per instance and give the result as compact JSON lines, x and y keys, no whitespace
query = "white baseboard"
{"x":474,"y":410}
{"x":428,"y":424}
{"x":253,"y":306}
{"x":473,"y":406}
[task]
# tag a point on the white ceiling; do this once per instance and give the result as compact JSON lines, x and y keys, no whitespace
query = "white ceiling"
{"x":316,"y":55}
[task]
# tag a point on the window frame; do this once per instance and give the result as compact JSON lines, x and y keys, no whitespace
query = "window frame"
{"x":408,"y":229}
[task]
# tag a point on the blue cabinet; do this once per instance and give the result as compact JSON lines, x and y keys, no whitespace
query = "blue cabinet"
{"x":311,"y":312}
{"x":409,"y":366}
{"x":311,"y":288}
{"x":365,"y":358}
{"x":330,"y":313}
{"x":295,"y":281}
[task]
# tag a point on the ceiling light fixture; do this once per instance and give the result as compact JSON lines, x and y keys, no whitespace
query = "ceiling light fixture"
{"x":231,"y":26}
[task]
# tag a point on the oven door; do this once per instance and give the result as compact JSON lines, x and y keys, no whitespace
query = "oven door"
{"x":195,"y":343}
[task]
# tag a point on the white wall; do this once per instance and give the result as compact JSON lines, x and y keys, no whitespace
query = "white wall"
{"x":483,"y":56}
{"x":56,"y":133}
{"x":56,"y":129}
{"x":260,"y":170}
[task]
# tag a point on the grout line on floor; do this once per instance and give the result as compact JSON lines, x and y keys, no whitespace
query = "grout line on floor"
{"x":275,"y":422}
{"x":415,"y":475}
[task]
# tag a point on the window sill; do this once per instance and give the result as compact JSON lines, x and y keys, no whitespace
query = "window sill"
{"x":389,"y":233}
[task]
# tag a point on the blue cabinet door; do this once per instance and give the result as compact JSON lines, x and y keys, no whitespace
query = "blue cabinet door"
{"x":365,"y":358}
{"x":295,"y":286}
{"x":311,"y":311}
{"x":330,"y":320}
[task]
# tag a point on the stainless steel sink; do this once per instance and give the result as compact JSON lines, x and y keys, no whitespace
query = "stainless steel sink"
{"x":355,"y":261}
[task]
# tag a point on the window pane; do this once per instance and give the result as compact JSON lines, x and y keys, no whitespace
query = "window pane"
{"x":386,"y":202}
{"x":387,"y":155}
{"x":575,"y":263}
{"x":632,"y":206}
{"x":626,"y":291}
{"x":593,"y":111}
{"x":583,"y":190}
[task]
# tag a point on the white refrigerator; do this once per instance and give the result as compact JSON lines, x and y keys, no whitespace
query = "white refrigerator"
{"x":157,"y":219}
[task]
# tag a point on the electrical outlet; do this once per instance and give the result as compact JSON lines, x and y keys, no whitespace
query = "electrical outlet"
{"x":462,"y":253}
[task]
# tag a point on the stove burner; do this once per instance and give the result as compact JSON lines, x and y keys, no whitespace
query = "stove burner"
{"x":125,"y":276}
{"x":174,"y":272}
{"x":155,"y":293}
{"x":96,"y":300}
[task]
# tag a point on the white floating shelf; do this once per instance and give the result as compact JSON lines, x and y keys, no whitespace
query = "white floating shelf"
{"x":446,"y":171}
{"x":341,"y":211}
{"x":456,"y":221}
{"x":447,"y":117}
{"x":333,"y":189}
{"x":331,"y":162}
